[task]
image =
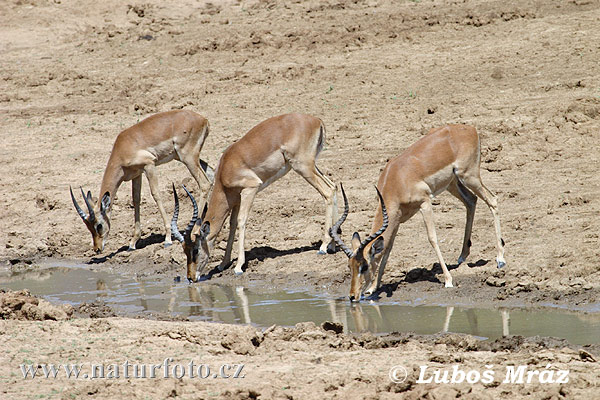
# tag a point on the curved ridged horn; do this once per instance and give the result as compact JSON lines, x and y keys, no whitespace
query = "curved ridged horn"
{"x":87,"y":203}
{"x":188,"y":229}
{"x":81,"y":213}
{"x":333,"y":231}
{"x":174,"y":231}
{"x":372,"y":237}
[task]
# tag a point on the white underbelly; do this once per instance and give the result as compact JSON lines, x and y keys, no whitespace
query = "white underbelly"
{"x":439,"y":181}
{"x":273,"y":178}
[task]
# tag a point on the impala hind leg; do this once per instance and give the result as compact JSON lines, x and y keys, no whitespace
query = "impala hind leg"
{"x":427,"y":212}
{"x":136,"y":194}
{"x":473,"y":182}
{"x":150,"y":171}
{"x":199,"y":175}
{"x":327,"y":190}
{"x":459,"y":191}
{"x":246,"y":200}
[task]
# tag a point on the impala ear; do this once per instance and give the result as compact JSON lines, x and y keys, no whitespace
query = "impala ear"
{"x":105,"y":203}
{"x":377,"y":246}
{"x":204,"y":231}
{"x":355,"y":241}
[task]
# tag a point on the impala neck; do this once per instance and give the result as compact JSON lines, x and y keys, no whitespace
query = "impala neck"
{"x":112,"y":179}
{"x":217,"y":212}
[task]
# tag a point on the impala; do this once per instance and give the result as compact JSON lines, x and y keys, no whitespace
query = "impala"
{"x":158,"y":139}
{"x":446,"y":158}
{"x":266,"y":153}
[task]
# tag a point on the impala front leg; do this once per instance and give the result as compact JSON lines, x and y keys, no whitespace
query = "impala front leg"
{"x":150,"y":171}
{"x":136,"y":194}
{"x":247,"y":197}
{"x":233,"y":221}
{"x":427,"y":212}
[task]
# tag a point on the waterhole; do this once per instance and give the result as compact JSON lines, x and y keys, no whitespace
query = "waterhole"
{"x":207,"y":301}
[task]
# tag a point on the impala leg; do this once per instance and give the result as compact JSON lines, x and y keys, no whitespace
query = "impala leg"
{"x":136,"y":194}
{"x":459,"y":191}
{"x":449,"y":312}
{"x":474,"y":184}
{"x":193,"y":165}
{"x":427,"y":212}
{"x":233,"y":221}
{"x":377,"y":265}
{"x":239,"y":290}
{"x":247,"y":198}
{"x":505,"y":322}
{"x":327,"y":190}
{"x":150,"y":171}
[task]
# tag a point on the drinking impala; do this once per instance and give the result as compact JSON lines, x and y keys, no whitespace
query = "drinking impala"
{"x":158,"y":139}
{"x":266,"y":153}
{"x":446,"y":158}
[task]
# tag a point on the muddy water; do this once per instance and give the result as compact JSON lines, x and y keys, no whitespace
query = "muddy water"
{"x":236,"y":304}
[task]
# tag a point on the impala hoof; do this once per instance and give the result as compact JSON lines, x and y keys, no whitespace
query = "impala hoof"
{"x":238,"y":272}
{"x":448,"y":284}
{"x":131,"y":248}
{"x":321,"y":252}
{"x":501,"y":264}
{"x":331,"y":248}
{"x":168,"y":244}
{"x":461,"y":260}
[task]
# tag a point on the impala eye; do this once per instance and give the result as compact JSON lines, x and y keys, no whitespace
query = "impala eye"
{"x":99,"y":228}
{"x":363,"y":268}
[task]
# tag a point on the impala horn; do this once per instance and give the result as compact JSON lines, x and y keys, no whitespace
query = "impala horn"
{"x":384,"y":226}
{"x":87,"y":200}
{"x":81,"y":213}
{"x":174,"y":231}
{"x":334,"y":229}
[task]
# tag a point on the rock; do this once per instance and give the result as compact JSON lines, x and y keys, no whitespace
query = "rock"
{"x":495,"y":281}
{"x":332,"y":326}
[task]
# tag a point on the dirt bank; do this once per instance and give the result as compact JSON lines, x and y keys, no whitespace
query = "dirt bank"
{"x":379,"y":74}
{"x":272,"y":363}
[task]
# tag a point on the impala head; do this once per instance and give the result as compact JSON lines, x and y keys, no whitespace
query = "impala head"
{"x":361,"y":256}
{"x":193,"y":239}
{"x":97,"y":221}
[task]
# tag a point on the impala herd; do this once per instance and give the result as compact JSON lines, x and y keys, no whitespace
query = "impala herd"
{"x":447,"y":158}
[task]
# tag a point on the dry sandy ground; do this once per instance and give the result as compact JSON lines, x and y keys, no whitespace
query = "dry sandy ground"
{"x":303,"y":362}
{"x":379,"y":73}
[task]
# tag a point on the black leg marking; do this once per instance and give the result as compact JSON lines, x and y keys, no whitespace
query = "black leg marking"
{"x":502,"y":241}
{"x":469,"y":243}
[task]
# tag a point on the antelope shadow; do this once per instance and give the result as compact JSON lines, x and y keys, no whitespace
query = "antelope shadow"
{"x":143,"y":242}
{"x":262,"y":253}
{"x":420,"y":274}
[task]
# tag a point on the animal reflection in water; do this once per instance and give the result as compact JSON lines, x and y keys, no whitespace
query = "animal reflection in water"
{"x":231,"y":304}
{"x":376,"y":318}
{"x":205,"y":299}
{"x":222,"y":303}
{"x":472,"y":320}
